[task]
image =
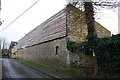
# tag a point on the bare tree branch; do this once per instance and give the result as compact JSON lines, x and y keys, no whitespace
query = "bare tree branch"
{"x":107,"y":4}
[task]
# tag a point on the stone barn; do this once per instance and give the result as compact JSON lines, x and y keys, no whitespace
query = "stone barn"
{"x":47,"y":43}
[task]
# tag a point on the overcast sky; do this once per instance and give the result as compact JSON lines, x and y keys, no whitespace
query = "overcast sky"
{"x":41,"y":11}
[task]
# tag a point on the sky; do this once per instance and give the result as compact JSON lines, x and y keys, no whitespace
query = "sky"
{"x":41,"y":11}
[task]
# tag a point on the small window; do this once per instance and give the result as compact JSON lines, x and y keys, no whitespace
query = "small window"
{"x":57,"y":50}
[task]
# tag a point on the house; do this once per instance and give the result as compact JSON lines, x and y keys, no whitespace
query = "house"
{"x":47,"y":42}
{"x":11,"y":48}
{"x":13,"y":51}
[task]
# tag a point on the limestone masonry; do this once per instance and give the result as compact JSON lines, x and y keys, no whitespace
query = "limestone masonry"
{"x":47,"y":42}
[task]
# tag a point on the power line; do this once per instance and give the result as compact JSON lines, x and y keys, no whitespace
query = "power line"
{"x":19,"y":16}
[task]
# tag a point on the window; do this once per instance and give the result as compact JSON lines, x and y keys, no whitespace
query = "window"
{"x":57,"y":50}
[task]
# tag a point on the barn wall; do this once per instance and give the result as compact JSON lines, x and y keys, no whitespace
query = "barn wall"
{"x":46,"y":53}
{"x":77,"y":28}
{"x":40,"y":44}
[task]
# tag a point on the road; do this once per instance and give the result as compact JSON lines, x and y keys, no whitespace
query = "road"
{"x":0,"y":68}
{"x":13,"y":69}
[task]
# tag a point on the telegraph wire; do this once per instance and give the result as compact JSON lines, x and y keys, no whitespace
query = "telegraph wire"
{"x":19,"y":16}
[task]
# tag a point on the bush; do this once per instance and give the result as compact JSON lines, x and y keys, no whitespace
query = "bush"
{"x":107,"y":50}
{"x":5,"y":55}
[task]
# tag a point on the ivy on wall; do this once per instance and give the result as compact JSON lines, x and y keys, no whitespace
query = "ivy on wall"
{"x":77,"y":47}
{"x":107,"y":51}
{"x":73,"y":46}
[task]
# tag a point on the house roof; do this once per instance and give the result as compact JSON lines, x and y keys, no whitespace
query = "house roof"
{"x":12,"y":44}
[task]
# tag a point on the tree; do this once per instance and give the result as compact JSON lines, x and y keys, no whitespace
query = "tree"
{"x":89,"y":13}
{"x":89,"y":6}
{"x":3,"y":45}
{"x":0,"y":23}
{"x":89,"y":18}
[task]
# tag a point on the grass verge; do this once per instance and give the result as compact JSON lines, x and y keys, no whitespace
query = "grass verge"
{"x":68,"y":70}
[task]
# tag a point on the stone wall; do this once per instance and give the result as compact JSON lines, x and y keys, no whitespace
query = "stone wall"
{"x":46,"y":53}
{"x":77,"y":28}
{"x":52,"y":50}
{"x":101,"y":31}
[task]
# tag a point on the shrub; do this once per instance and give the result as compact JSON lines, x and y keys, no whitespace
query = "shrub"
{"x":107,"y":50}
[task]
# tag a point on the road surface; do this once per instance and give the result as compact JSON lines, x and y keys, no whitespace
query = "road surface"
{"x":0,"y":68}
{"x":13,"y":69}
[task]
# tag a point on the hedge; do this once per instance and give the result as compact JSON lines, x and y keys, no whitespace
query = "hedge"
{"x":107,"y":51}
